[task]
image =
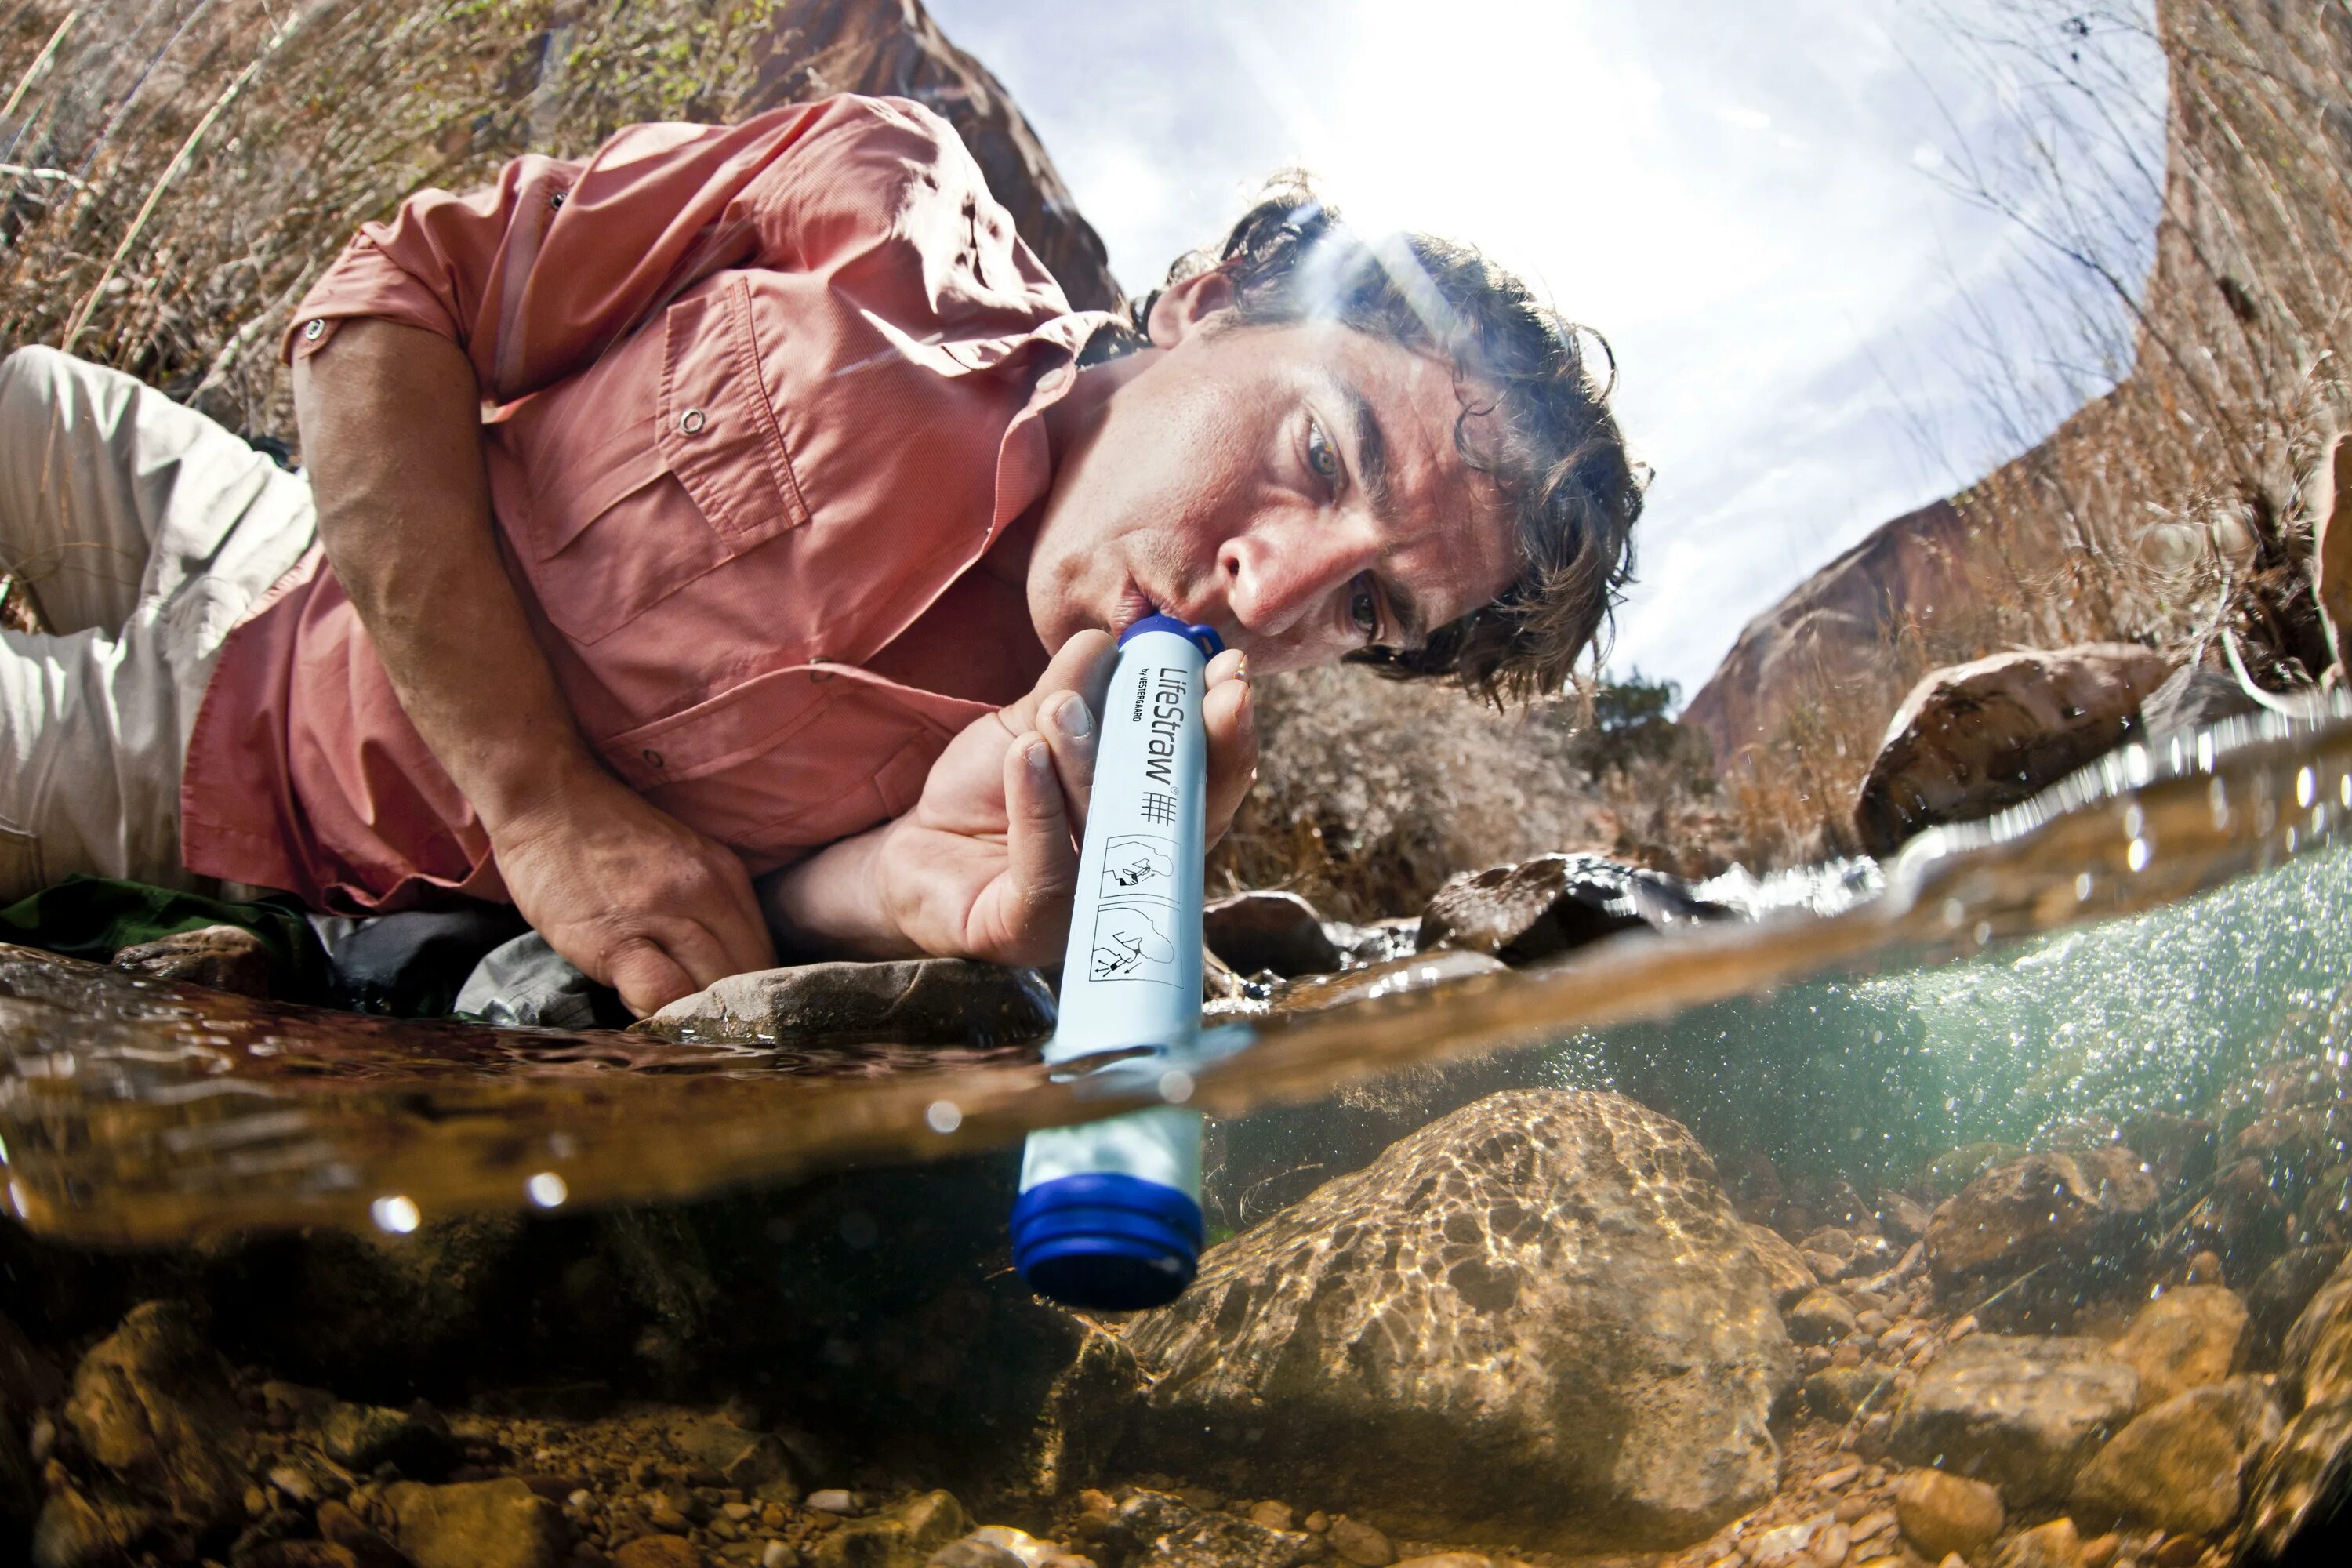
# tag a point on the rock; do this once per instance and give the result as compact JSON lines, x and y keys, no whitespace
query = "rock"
{"x":154,"y":1405}
{"x":2176,"y":1465}
{"x":1154,"y":1529}
{"x":295,"y":1554}
{"x":361,"y":1436}
{"x":225,"y":958}
{"x":1448,"y":1559}
{"x":1419,"y":971}
{"x":1901,"y":1220}
{"x":1840,"y":1392}
{"x":1280,"y":931}
{"x":1551,"y":1276}
{"x":2056,"y":1545}
{"x":750,"y":1461}
{"x":1943,"y":1513}
{"x":347,"y":1529}
{"x":1784,"y":1267}
{"x":1541,"y":907}
{"x":1973,"y":738}
{"x":832,"y":1499}
{"x":75,"y":1530}
{"x":915,"y":1001}
{"x":1361,"y":1543}
{"x":2023,"y":1414}
{"x":658,"y":1552}
{"x":2185,"y":1338}
{"x":2240,"y":1219}
{"x":970,"y":1552}
{"x":2278,"y":1294}
{"x":901,"y":1536}
{"x":2296,"y":1500}
{"x":1273,"y":1514}
{"x":476,"y":1524}
{"x":2177,"y":1150}
{"x":2037,"y":1210}
{"x":2191,"y":697}
{"x":1819,"y":1317}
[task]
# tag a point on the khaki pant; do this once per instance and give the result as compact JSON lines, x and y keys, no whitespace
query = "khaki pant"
{"x":144,"y":531}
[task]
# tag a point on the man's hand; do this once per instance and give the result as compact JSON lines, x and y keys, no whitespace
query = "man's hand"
{"x":637,"y":898}
{"x":986,"y":863}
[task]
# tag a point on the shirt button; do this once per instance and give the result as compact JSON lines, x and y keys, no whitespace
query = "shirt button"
{"x":653,"y":758}
{"x":556,"y":201}
{"x":691,"y":421}
{"x":315,"y":329}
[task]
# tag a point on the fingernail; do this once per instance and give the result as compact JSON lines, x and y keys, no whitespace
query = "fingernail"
{"x":1073,"y":719}
{"x":1037,"y":758}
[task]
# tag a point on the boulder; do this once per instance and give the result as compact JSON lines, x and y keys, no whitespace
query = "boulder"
{"x":2023,"y":1414}
{"x":1551,"y":1280}
{"x":1973,"y":738}
{"x":2295,"y":1500}
{"x":913,"y":1001}
{"x":476,"y":1524}
{"x":2177,"y":1466}
{"x":903,"y":1535}
{"x":1541,"y":907}
{"x":154,"y":1405}
{"x":1901,"y":1220}
{"x":78,"y":1530}
{"x":752,"y":1462}
{"x":1269,"y":931}
{"x":1821,"y":1317}
{"x":225,"y":958}
{"x":2185,"y":1338}
{"x":2038,"y":1209}
{"x":1943,"y":1513}
{"x":1154,"y":1529}
{"x":1784,"y":1267}
{"x":2278,"y":1294}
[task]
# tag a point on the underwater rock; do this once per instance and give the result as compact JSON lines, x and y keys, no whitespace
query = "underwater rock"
{"x":2185,"y":1338}
{"x":752,"y":1462}
{"x":2279,"y":1293}
{"x":1839,"y":1393}
{"x":78,"y":1530}
{"x":1263,"y":930}
{"x":1155,"y":1530}
{"x":1553,"y":1277}
{"x":2039,"y":1210}
{"x":901,"y":1536}
{"x":2057,"y":1544}
{"x":154,"y":1405}
{"x":1784,"y":1267}
{"x":1943,"y":1513}
{"x":1359,"y":1543}
{"x":1973,"y":738}
{"x":1550,"y":905}
{"x":476,"y":1524}
{"x":2022,"y":1413}
{"x":657,"y":1552}
{"x":2176,"y":1150}
{"x":2240,"y":1220}
{"x":2176,"y":1466}
{"x":1901,"y":1220}
{"x":2301,"y":1495}
{"x":225,"y":958}
{"x":913,"y":1001}
{"x":1821,"y":1317}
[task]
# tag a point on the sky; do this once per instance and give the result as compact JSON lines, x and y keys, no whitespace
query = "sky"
{"x":1764,"y":209}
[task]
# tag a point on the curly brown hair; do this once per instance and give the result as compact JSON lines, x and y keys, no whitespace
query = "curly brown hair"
{"x":1552,"y":447}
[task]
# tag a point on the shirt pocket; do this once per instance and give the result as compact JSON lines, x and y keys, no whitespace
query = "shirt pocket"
{"x":788,"y":760}
{"x":659,"y":464}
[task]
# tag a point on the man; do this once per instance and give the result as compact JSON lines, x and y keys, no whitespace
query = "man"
{"x":746,"y":502}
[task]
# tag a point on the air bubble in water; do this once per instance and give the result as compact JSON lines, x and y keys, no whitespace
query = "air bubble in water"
{"x":943,"y":1116}
{"x":2135,"y":819}
{"x":2082,"y":886}
{"x":2136,"y":855}
{"x":2306,"y":787}
{"x":1175,"y":1086}
{"x":548,"y":1190}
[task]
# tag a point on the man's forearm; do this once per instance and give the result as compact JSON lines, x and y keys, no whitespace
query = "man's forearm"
{"x":830,"y":905}
{"x":391,"y":423}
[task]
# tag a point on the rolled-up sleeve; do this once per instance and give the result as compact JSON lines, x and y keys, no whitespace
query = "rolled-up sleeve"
{"x":536,"y":274}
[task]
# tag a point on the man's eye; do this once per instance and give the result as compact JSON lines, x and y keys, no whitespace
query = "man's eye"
{"x":1364,"y":609}
{"x":1321,"y":455}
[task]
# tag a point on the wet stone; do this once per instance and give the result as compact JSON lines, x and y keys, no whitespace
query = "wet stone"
{"x":1269,"y":931}
{"x":2278,"y":1294}
{"x":1535,"y":1240}
{"x":77,"y":1529}
{"x":658,"y":1552}
{"x":969,"y":1552}
{"x":153,"y":1404}
{"x":2058,"y":1212}
{"x":1361,"y":1543}
{"x":2176,"y":1465}
{"x":1784,"y":1267}
{"x":1821,"y":1317}
{"x":2023,"y":1414}
{"x":921,"y":1001}
{"x":2308,"y":1471}
{"x":225,"y":958}
{"x":1901,"y":1220}
{"x":1941,"y":1513}
{"x":1156,"y":1529}
{"x":2057,"y":1544}
{"x":2185,"y":1338}
{"x":752,"y":1462}
{"x":476,"y":1524}
{"x":903,"y":1535}
{"x":1838,"y":1393}
{"x":1556,"y":903}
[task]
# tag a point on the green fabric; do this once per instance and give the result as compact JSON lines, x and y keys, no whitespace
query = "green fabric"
{"x":97,"y":917}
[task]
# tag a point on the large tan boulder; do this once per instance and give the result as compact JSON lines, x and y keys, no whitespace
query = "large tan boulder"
{"x":2036,"y":1210}
{"x":2022,"y":1412}
{"x":1536,"y":1320}
{"x":2177,"y":1466}
{"x":2185,"y":1338}
{"x":1973,"y":738}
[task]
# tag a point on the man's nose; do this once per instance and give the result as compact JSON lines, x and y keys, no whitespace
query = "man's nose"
{"x":1274,"y":577}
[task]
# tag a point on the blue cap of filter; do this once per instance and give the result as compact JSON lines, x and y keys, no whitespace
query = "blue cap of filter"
{"x":1106,"y":1242}
{"x":1206,"y":637}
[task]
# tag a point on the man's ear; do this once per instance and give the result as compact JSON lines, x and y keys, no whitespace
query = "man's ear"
{"x":1182,"y":308}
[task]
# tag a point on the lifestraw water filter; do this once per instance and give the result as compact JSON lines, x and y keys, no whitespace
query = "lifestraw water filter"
{"x":1109,"y":1212}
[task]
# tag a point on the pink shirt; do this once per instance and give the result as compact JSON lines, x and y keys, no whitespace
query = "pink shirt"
{"x":755,"y":398}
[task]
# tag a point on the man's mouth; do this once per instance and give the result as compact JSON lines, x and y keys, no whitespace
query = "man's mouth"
{"x":1134,"y":604}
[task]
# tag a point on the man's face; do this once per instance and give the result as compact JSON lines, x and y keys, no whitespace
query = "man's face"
{"x":1297,"y":488}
